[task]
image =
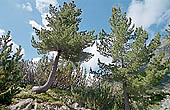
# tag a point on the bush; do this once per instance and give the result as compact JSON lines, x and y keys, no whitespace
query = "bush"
{"x":36,"y":73}
{"x":99,"y":95}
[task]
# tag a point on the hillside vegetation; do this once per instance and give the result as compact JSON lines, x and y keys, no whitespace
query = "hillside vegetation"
{"x":138,"y":78}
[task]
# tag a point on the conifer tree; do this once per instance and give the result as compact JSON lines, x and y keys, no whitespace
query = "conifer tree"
{"x":62,"y":36}
{"x":10,"y":77}
{"x":133,"y":61}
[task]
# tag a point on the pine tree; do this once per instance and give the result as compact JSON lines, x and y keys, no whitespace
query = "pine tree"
{"x":62,"y":36}
{"x":133,"y":61}
{"x":10,"y":77}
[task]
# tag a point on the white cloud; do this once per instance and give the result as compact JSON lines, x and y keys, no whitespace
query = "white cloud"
{"x":52,"y":54}
{"x":36,"y":59}
{"x":42,"y":5}
{"x":2,"y":32}
{"x":43,"y":8}
{"x":44,"y":21}
{"x":148,"y":12}
{"x":92,"y":63}
{"x":35,"y":24}
{"x":26,"y":6}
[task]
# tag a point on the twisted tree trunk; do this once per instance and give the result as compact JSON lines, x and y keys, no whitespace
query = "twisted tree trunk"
{"x":127,"y":106}
{"x":47,"y":85}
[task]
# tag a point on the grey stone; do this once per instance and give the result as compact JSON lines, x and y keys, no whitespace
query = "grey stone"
{"x":48,"y":107}
{"x":64,"y":108}
{"x":36,"y":105}
{"x":165,"y":104}
{"x":21,"y":105}
{"x":69,"y":102}
{"x":28,"y":107}
{"x":82,"y":108}
{"x":75,"y":105}
{"x":56,"y":108}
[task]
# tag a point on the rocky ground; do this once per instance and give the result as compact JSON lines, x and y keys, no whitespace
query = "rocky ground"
{"x":56,"y":99}
{"x":35,"y":104}
{"x":165,"y":104}
{"x":30,"y":104}
{"x":51,"y":100}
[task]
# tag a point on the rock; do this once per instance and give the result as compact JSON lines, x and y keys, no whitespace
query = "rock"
{"x":75,"y":105}
{"x":36,"y":104}
{"x":29,"y":104}
{"x":56,"y":108}
{"x":48,"y":107}
{"x":165,"y":104}
{"x":23,"y":104}
{"x":165,"y":46}
{"x":69,"y":102}
{"x":28,"y":107}
{"x":82,"y":108}
{"x":64,"y":108}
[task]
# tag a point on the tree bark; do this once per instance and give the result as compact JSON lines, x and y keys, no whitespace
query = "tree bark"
{"x":47,"y":85}
{"x":126,"y":101}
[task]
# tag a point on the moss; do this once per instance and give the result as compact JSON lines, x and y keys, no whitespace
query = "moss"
{"x":25,"y":94}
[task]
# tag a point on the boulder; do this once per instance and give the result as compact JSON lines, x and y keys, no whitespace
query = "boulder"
{"x":75,"y":106}
{"x":64,"y":108}
{"x":24,"y":104}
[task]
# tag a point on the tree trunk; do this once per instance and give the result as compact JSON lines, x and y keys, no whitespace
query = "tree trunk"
{"x":127,"y":106}
{"x":47,"y":85}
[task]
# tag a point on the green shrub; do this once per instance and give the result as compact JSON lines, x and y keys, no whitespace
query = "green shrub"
{"x":36,"y":72}
{"x":100,"y":95}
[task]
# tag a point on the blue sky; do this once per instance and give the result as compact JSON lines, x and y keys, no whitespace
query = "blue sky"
{"x":19,"y":16}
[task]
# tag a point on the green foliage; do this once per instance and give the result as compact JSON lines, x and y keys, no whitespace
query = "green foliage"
{"x":133,"y":60}
{"x":36,"y":72}
{"x":79,"y":77}
{"x":54,"y":96}
{"x":3,"y":107}
{"x":63,"y":35}
{"x":99,"y":95}
{"x":64,"y":75}
{"x":10,"y":77}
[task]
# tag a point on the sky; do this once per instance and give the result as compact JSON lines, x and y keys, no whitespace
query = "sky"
{"x":19,"y":16}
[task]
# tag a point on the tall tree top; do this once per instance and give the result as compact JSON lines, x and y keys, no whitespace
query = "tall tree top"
{"x":126,"y":46}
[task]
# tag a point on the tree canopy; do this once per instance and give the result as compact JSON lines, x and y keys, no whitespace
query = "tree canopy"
{"x":62,"y":33}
